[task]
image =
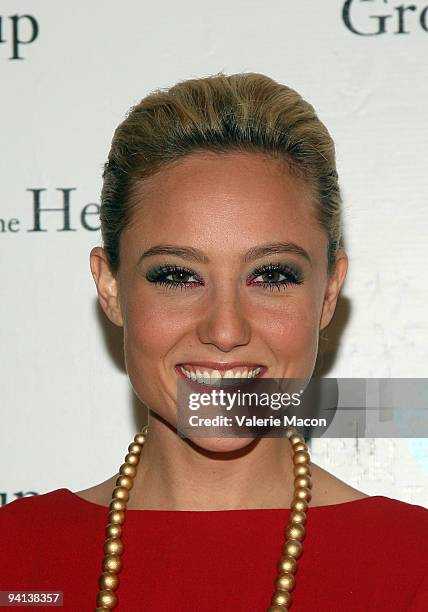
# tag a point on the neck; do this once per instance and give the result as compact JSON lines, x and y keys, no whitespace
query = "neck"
{"x":176,"y":474}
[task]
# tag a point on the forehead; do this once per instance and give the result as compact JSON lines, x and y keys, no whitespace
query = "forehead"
{"x":234,"y":198}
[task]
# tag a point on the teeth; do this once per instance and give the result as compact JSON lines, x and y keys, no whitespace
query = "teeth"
{"x":214,"y":378}
{"x":211,"y":378}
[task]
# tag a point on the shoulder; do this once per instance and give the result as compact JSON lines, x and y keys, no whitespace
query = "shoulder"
{"x":382,"y":526}
{"x":328,"y":490}
{"x":395,"y":511}
{"x":40,"y":535}
{"x":401,"y":532}
{"x":401,"y":524}
{"x":38,"y":522}
{"x":53,"y":511}
{"x":32,"y":527}
{"x":391,"y":515}
{"x":48,"y":522}
{"x":18,"y":511}
{"x":382,"y":540}
{"x":377,"y":526}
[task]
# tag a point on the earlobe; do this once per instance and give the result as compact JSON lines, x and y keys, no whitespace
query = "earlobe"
{"x":107,"y":285}
{"x":334,"y":285}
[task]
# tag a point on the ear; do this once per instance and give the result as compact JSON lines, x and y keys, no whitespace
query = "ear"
{"x":334,"y":284}
{"x":107,"y":285}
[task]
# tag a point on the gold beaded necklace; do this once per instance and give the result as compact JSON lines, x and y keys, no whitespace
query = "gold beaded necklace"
{"x":294,"y":531}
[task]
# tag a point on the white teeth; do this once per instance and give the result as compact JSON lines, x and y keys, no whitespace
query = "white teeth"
{"x":211,"y":378}
{"x":186,"y":373}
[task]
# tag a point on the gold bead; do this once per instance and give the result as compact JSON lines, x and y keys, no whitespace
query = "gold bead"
{"x":285,"y":582}
{"x":113,"y":531}
{"x":134,"y":448}
{"x":303,"y":469}
{"x":128,"y":470}
{"x":299,"y":505}
{"x":112,"y":563}
{"x":121,"y":493}
{"x":287,"y":564}
{"x":303,"y":481}
{"x":276,"y":609}
{"x":292,"y":548}
{"x":113,"y":546}
{"x":303,"y":493}
{"x":108,"y":580}
{"x":116,"y":517}
{"x":125,"y":481}
{"x":132,"y":458}
{"x":107,"y":599}
{"x":101,"y":609}
{"x":295,"y":532}
{"x":139,"y":438}
{"x":300,"y":446}
{"x":296,"y":439}
{"x":145,"y":429}
{"x":117,"y":504}
{"x":297,"y":517}
{"x":301,"y":457}
{"x":281,"y":598}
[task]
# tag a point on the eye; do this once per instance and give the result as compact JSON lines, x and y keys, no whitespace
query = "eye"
{"x":172,"y":276}
{"x":277,"y":275}
{"x":274,"y":275}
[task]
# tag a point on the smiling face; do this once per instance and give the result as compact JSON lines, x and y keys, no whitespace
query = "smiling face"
{"x":224,"y":262}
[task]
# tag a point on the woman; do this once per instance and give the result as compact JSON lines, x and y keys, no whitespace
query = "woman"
{"x":222,"y":255}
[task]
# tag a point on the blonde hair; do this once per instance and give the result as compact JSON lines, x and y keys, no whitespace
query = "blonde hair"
{"x":220,"y":113}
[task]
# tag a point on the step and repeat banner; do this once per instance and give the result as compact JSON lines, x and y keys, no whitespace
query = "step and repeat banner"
{"x":69,"y":73}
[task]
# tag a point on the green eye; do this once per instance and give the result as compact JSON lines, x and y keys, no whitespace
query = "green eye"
{"x":277,"y":275}
{"x":274,"y":275}
{"x":171,"y":276}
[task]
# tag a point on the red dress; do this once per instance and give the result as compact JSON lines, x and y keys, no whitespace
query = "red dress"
{"x":364,"y":555}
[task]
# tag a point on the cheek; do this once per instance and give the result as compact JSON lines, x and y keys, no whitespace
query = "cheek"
{"x":150,"y":328}
{"x":292,"y":330}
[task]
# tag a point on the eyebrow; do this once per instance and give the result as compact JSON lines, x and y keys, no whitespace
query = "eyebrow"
{"x":192,"y":254}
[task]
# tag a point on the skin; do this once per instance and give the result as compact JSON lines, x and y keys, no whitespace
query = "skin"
{"x":222,"y":205}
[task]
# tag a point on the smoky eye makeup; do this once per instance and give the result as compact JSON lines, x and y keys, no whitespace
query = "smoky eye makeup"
{"x":272,"y":275}
{"x":171,"y":275}
{"x":277,"y":275}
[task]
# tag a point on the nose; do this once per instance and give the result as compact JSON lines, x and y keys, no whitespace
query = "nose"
{"x":225,"y":324}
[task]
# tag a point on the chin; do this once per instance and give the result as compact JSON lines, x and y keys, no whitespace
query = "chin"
{"x":221,"y":445}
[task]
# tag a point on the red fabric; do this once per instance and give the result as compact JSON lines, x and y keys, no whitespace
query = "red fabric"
{"x":365,"y":555}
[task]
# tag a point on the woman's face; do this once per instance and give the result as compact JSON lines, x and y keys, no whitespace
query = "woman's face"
{"x":225,"y":263}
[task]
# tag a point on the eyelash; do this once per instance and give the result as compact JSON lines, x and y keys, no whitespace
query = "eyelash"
{"x":293,"y":276}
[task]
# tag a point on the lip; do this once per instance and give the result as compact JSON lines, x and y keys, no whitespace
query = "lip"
{"x":230,"y":384}
{"x":223,"y":366}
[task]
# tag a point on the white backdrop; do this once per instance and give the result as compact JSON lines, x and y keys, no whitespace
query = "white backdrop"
{"x":67,"y":408}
